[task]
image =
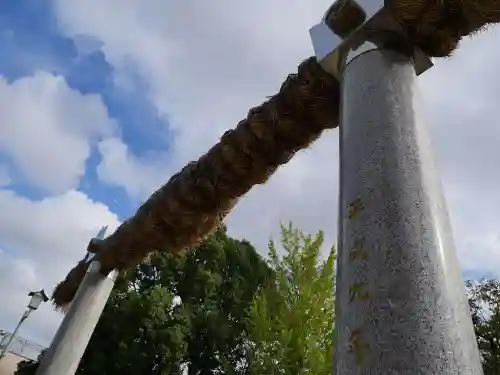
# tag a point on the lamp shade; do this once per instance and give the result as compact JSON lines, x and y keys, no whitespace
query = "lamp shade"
{"x":36,"y":299}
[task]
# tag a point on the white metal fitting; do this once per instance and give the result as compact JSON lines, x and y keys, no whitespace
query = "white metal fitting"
{"x":98,"y":238}
{"x":350,"y":28}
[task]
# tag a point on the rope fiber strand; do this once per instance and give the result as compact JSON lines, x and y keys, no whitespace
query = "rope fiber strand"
{"x":195,"y":200}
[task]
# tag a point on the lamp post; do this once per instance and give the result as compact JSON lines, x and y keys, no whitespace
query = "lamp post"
{"x":36,"y":300}
{"x":401,"y":302}
{"x":75,"y":331}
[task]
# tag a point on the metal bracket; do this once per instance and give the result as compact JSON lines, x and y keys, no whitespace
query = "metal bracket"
{"x":99,"y":237}
{"x":352,"y":27}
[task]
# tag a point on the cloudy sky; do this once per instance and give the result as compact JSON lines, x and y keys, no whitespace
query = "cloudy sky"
{"x":102,"y":100}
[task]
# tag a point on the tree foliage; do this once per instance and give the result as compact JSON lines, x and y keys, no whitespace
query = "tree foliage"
{"x":222,"y":309}
{"x":484,"y":301}
{"x":293,"y":318}
{"x":176,"y":312}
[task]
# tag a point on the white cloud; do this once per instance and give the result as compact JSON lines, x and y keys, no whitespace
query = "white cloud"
{"x":119,"y":167}
{"x":18,"y":278}
{"x":41,"y":241}
{"x":47,"y":129}
{"x":206,"y":63}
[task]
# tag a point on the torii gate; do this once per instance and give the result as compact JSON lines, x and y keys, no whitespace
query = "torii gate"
{"x":401,"y":303}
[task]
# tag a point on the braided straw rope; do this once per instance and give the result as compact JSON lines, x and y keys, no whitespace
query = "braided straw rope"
{"x":195,"y":200}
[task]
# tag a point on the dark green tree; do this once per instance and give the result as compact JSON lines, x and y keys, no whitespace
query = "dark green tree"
{"x":174,"y":312}
{"x":484,"y":301}
{"x":217,"y":284}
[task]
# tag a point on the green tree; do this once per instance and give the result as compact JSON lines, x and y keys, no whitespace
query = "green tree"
{"x":189,"y":310}
{"x":293,"y":318}
{"x":217,"y":284}
{"x":484,"y":301}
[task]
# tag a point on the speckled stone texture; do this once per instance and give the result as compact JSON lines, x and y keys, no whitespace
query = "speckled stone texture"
{"x":402,"y":307}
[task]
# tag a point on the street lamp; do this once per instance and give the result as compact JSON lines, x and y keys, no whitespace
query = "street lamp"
{"x":36,"y":300}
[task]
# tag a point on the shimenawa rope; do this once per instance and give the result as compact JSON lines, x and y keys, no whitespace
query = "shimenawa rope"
{"x":195,"y":200}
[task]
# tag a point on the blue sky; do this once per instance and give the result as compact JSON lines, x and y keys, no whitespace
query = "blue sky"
{"x":185,"y":87}
{"x":30,"y":41}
